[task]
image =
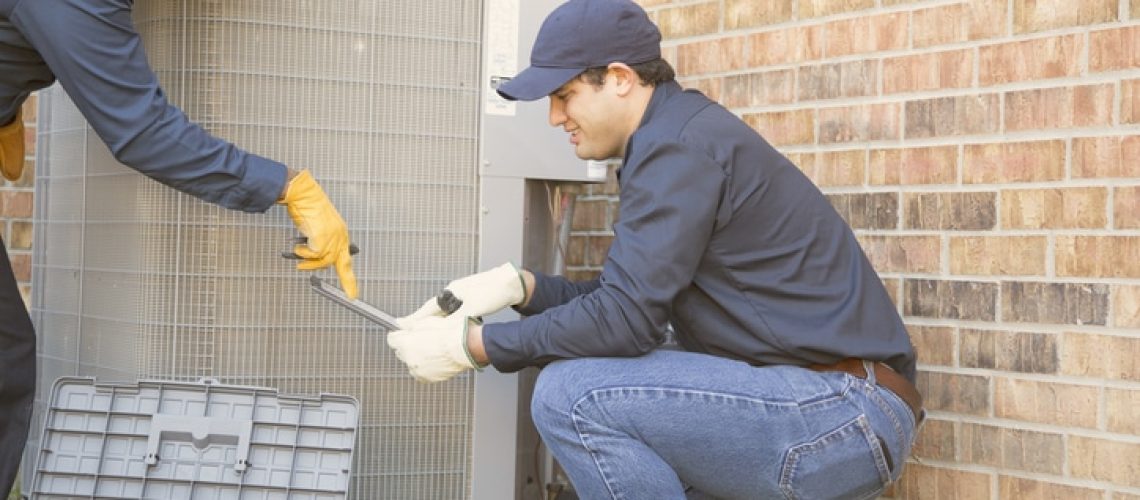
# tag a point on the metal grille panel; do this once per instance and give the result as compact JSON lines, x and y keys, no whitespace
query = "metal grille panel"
{"x":378,"y":98}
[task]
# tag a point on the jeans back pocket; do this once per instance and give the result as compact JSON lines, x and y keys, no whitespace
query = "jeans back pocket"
{"x":846,"y":463}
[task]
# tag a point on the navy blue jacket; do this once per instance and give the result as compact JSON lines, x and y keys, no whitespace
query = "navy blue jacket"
{"x":723,"y":237}
{"x":93,"y":50}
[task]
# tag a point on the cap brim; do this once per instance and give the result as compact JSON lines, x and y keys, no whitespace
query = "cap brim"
{"x":536,"y":82}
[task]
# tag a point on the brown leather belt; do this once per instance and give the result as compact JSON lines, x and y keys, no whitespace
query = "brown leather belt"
{"x":885,"y":376}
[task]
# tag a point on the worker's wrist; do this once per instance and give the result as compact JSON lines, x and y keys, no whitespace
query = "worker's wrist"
{"x":289,"y":175}
{"x":475,"y":345}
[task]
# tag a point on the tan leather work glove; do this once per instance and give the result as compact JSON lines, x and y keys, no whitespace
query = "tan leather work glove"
{"x":12,"y":148}
{"x":482,"y":294}
{"x":435,"y":349}
{"x":316,"y":218}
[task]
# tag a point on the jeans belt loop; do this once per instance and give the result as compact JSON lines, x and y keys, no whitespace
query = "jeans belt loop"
{"x":883,"y":376}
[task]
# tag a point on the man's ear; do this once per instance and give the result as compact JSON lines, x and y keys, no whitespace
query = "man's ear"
{"x":625,"y":78}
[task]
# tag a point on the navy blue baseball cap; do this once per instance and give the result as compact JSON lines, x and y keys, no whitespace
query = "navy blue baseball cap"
{"x":583,"y":34}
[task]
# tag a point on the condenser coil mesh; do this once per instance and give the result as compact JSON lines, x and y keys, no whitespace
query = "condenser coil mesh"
{"x":133,"y":280}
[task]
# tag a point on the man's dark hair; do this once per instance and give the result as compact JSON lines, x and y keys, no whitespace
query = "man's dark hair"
{"x":652,"y":73}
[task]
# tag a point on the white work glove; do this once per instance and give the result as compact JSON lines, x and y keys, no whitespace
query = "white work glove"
{"x":435,"y":349}
{"x":482,"y":294}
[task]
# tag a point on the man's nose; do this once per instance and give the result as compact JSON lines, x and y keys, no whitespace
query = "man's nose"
{"x":557,"y":116}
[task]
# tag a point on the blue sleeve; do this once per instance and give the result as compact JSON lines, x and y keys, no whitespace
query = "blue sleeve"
{"x":550,"y":291}
{"x":669,"y":200}
{"x":96,"y":54}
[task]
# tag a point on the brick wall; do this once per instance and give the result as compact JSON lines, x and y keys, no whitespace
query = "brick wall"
{"x":16,"y":208}
{"x":987,"y":154}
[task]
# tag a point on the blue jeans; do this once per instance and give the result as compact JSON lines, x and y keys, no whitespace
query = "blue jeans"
{"x":657,"y":425}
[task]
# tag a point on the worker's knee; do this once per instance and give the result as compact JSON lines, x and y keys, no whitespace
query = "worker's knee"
{"x":560,"y":385}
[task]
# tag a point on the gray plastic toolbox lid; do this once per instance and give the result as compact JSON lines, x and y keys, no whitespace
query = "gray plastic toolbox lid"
{"x":182,"y":440}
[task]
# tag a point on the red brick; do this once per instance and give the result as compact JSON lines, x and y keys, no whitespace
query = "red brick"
{"x":1048,"y":402}
{"x":1006,"y":162}
{"x":903,"y":254}
{"x":924,"y":482}
{"x":1130,"y":101}
{"x":940,"y":25}
{"x":1061,"y":208}
{"x":21,"y":266}
{"x":1040,"y":15}
{"x":988,"y":19}
{"x":591,"y":215}
{"x":1126,"y":213}
{"x":751,"y":13}
{"x":941,"y":70}
{"x":840,"y":168}
{"x":790,"y":45}
{"x":1043,"y":58}
{"x":1066,"y":107}
{"x":868,"y":122}
{"x":710,"y":87}
{"x":950,"y":116}
{"x":1100,"y":356}
{"x":689,"y":20}
{"x":866,"y":34}
{"x":597,"y":247}
{"x":1102,"y":157}
{"x":820,"y":8}
{"x":16,"y":204}
{"x":784,"y":128}
{"x":759,"y":89}
{"x":1098,"y":256}
{"x":1016,"y":487}
{"x":712,"y":56}
{"x":1114,"y":49}
{"x":998,"y":255}
{"x":933,"y":165}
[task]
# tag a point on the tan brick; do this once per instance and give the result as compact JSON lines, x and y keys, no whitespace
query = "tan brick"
{"x":689,"y":20}
{"x":1046,"y":402}
{"x":840,"y":168}
{"x":924,"y":482}
{"x":1098,"y":256}
{"x":1016,"y":487}
{"x":961,"y":211}
{"x":964,"y":300}
{"x":869,"y":122}
{"x":21,"y":236}
{"x":591,"y":215}
{"x":596,"y":249}
{"x":950,"y":116}
{"x":751,"y":13}
{"x":1067,"y":107}
{"x":1101,"y":157}
{"x":1007,"y":162}
{"x":1009,"y":351}
{"x":1130,"y":101}
{"x":1126,"y":306}
{"x":1062,"y":208}
{"x":1040,"y":15}
{"x":783,"y":128}
{"x":935,"y":345}
{"x":1114,"y":49}
{"x":1011,"y":448}
{"x":21,"y":266}
{"x":868,"y":210}
{"x":892,"y":285}
{"x":903,"y":254}
{"x":866,"y":34}
{"x":940,"y":25}
{"x":790,"y":45}
{"x":759,"y":89}
{"x":935,"y":441}
{"x":1055,"y":303}
{"x":1135,"y":10}
{"x":998,"y":255}
{"x":582,"y":274}
{"x":941,"y":70}
{"x":576,"y":251}
{"x":988,"y":19}
{"x":711,"y":56}
{"x":710,"y":87}
{"x":1043,"y":58}
{"x":933,"y":165}
{"x":835,"y":80}
{"x":1126,"y":213}
{"x":1121,"y":405}
{"x":1101,"y":460}
{"x":966,"y":394}
{"x":16,"y":204}
{"x":1100,"y":356}
{"x":820,"y":8}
